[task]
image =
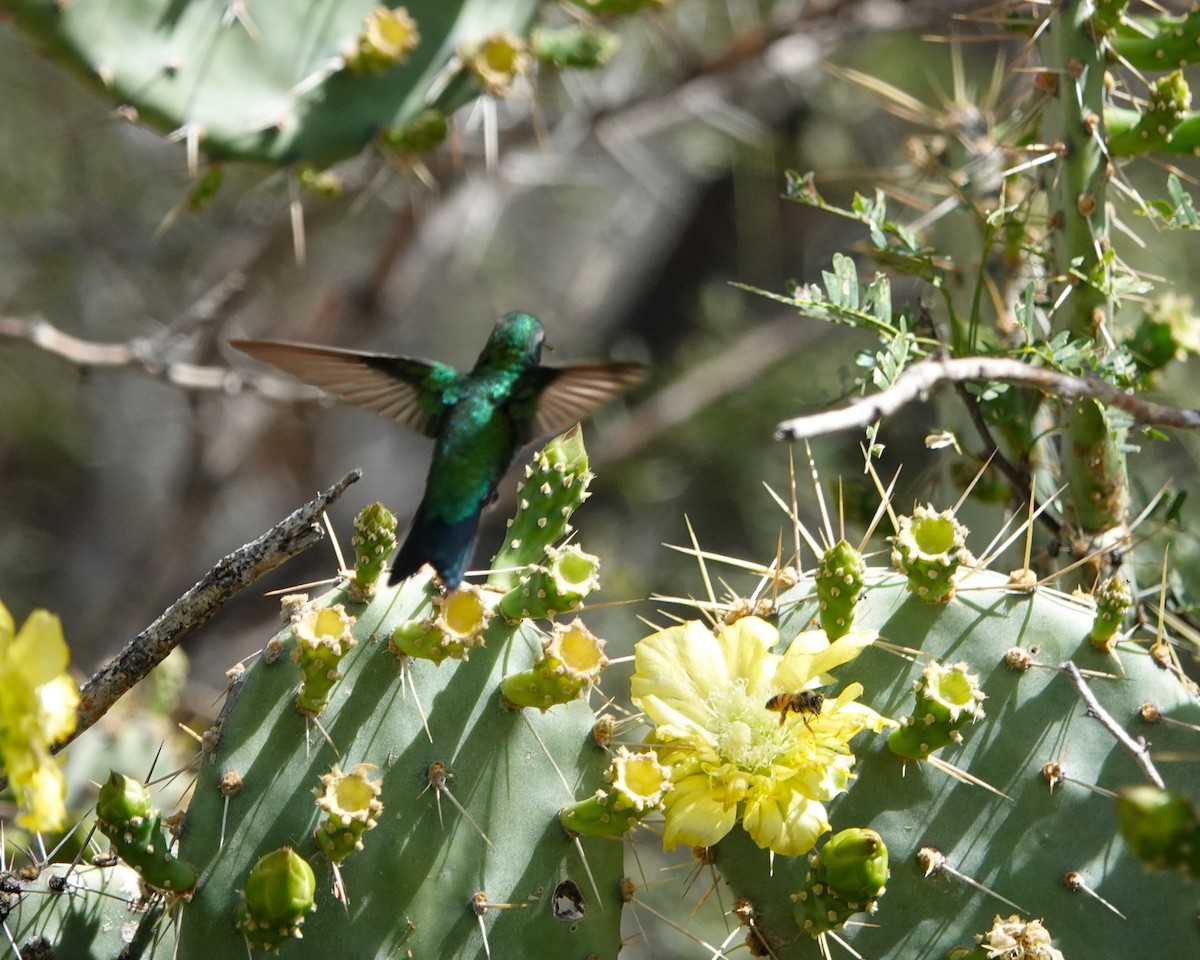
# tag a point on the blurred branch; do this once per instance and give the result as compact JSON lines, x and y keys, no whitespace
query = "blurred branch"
{"x":230,"y":576}
{"x":918,"y":380}
{"x":146,"y":355}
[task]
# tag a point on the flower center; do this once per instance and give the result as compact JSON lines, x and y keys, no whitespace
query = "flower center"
{"x":748,"y":735}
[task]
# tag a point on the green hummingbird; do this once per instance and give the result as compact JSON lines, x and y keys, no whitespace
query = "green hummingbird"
{"x":478,"y":420}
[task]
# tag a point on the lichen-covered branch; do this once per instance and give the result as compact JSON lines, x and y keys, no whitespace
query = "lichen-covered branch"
{"x":232,"y":574}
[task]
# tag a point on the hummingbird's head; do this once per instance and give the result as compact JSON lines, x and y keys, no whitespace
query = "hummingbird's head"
{"x":516,"y":340}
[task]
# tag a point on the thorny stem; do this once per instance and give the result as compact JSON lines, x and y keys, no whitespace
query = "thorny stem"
{"x":1138,"y":747}
{"x":232,"y":574}
{"x":1092,"y":459}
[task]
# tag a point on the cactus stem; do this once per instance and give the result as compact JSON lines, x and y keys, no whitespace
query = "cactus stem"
{"x":933,"y":861}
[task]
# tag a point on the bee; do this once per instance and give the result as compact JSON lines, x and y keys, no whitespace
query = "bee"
{"x":802,"y":703}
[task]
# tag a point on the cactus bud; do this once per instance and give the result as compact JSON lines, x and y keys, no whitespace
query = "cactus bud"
{"x":638,"y":781}
{"x":136,"y":832}
{"x":929,"y":548}
{"x":351,"y":805}
{"x":562,"y":584}
{"x":279,"y":894}
{"x":374,"y":540}
{"x":386,"y":40}
{"x":575,"y":46}
{"x":1160,"y":827}
{"x":555,"y":485}
{"x":847,"y":876}
{"x":497,"y":62}
{"x":322,"y":638}
{"x":572,"y":659}
{"x":1112,"y":598}
{"x":839,"y":579}
{"x":948,"y":697}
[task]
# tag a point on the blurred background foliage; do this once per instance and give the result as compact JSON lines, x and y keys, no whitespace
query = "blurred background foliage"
{"x":623,"y":203}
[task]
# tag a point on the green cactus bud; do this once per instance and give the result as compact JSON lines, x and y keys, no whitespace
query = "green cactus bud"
{"x":374,"y":540}
{"x":323,"y":637}
{"x":839,"y":579}
{"x":855,"y":864}
{"x":575,"y":46}
{"x":424,"y":132}
{"x":496,"y":62}
{"x":462,"y":616}
{"x":562,"y":584}
{"x":948,"y":697}
{"x":1113,"y":598}
{"x":1170,"y":98}
{"x":136,"y":832}
{"x":386,"y":40}
{"x":573,"y":658}
{"x":555,"y":485}
{"x":1160,"y":827}
{"x":638,"y":784}
{"x":279,"y":894}
{"x":121,"y":799}
{"x":930,"y":548}
{"x":350,"y":802}
{"x":847,"y":875}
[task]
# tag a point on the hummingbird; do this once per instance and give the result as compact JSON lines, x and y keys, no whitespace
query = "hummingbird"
{"x":479,"y":421}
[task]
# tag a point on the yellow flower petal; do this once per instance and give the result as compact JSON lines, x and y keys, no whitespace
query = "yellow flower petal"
{"x":674,"y":672}
{"x":745,"y":644}
{"x":39,"y":650}
{"x":810,"y":655}
{"x":694,"y":815}
{"x":41,"y":793}
{"x":785,"y":821}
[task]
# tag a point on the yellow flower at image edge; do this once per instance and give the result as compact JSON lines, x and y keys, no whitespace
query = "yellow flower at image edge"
{"x":38,"y":700}
{"x":729,"y":755}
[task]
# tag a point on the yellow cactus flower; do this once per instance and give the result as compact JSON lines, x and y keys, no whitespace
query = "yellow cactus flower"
{"x":734,"y":750}
{"x":38,"y":700}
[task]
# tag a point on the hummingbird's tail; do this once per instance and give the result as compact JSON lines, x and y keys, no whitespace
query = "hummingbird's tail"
{"x":446,"y":546}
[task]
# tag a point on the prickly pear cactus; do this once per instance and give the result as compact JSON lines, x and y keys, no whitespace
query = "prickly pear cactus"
{"x":446,"y":830}
{"x":366,"y":796}
{"x":277,"y":83}
{"x":991,"y":806}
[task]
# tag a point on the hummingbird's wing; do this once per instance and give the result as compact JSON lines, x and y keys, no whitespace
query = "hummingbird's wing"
{"x":567,"y":395}
{"x":412,"y":393}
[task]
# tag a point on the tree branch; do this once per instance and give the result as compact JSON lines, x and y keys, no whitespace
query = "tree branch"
{"x":148,"y":355}
{"x":917,"y":381}
{"x":1141,"y":752}
{"x":231,"y":575}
